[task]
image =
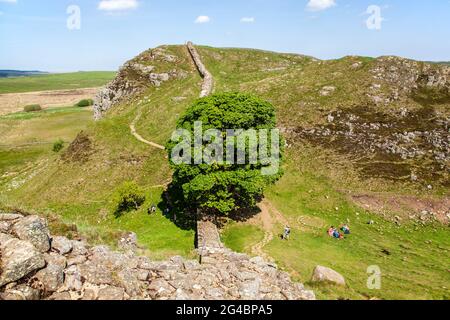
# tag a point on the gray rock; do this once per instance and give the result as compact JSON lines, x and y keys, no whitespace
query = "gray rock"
{"x":111,"y":294}
{"x":128,"y":242}
{"x":76,"y":260}
{"x":5,"y":226}
{"x":55,"y":259}
{"x":62,"y":245}
{"x":324,"y":274}
{"x":10,"y":216}
{"x":34,"y":230}
{"x":61,"y":296}
{"x":78,"y":248}
{"x":52,"y":277}
{"x":96,"y":274}
{"x":306,"y":295}
{"x":129,"y":281}
{"x":4,"y":238}
{"x":159,"y":288}
{"x":19,"y":258}
{"x":21,"y":292}
{"x":72,"y":281}
{"x":89,"y":295}
{"x":142,"y":275}
{"x":249,"y":290}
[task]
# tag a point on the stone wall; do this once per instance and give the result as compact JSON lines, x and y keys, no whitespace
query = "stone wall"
{"x":35,"y":265}
{"x":208,"y":80}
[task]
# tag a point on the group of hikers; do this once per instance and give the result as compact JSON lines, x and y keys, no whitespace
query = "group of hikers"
{"x":332,"y":232}
{"x":339,"y":234}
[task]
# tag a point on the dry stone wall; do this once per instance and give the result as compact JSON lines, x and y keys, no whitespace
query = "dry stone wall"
{"x":35,"y":265}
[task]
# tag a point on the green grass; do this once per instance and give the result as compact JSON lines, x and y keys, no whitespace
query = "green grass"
{"x":307,"y":197}
{"x":56,"y":81}
{"x":241,"y":237}
{"x":22,"y":115}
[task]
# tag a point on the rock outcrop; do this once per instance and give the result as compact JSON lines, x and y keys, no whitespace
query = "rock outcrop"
{"x":134,"y":77}
{"x":73,"y":270}
{"x":324,"y":274}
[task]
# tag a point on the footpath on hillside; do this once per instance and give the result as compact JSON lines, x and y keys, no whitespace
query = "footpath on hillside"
{"x":207,"y":86}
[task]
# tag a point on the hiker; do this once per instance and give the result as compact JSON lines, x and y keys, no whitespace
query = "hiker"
{"x":331,"y":231}
{"x":336,"y":234}
{"x":152,"y":209}
{"x":287,"y":233}
{"x":346,"y":229}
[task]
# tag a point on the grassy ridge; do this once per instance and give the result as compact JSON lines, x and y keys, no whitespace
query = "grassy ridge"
{"x":55,"y":81}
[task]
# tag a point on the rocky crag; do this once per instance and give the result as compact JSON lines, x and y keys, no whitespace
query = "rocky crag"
{"x":135,"y":76}
{"x":401,"y":132}
{"x":34,"y":265}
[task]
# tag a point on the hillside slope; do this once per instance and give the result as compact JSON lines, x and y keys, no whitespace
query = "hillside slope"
{"x":364,"y":136}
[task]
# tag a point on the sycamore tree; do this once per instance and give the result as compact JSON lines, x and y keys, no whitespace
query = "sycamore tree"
{"x":225,"y":151}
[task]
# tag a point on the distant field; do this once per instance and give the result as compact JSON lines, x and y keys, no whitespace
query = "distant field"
{"x":61,"y":81}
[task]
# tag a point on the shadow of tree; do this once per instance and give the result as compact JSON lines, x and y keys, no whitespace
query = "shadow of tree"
{"x":173,"y":208}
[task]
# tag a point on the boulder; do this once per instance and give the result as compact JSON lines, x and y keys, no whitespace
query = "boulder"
{"x":249,"y":290}
{"x":324,"y":274}
{"x":34,"y":230}
{"x":55,"y":259}
{"x":79,"y":248}
{"x":52,"y":277}
{"x":62,"y":245}
{"x":19,"y":258}
{"x":60,"y":296}
{"x":21,"y":292}
{"x":72,"y":279}
{"x":96,"y":273}
{"x":76,"y":260}
{"x":5,"y":226}
{"x":128,"y":242}
{"x":128,"y":280}
{"x":111,"y":294}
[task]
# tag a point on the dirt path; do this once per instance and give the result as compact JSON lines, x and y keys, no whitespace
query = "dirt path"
{"x":268,"y":218}
{"x":139,"y":137}
{"x":207,"y":87}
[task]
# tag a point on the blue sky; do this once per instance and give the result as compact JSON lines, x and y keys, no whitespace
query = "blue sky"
{"x":34,"y":34}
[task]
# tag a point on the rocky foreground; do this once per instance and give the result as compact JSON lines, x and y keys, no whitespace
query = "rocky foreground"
{"x":35,"y":265}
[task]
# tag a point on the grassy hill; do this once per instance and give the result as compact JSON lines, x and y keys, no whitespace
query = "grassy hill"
{"x":322,"y":180}
{"x":19,"y":73}
{"x":57,"y":81}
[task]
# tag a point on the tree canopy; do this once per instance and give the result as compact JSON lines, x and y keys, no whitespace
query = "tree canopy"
{"x":224,"y":184}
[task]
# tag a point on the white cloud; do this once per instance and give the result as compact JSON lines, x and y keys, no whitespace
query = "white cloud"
{"x":319,"y":5}
{"x":202,"y":19}
{"x":9,"y":1}
{"x":117,"y":5}
{"x":248,"y":20}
